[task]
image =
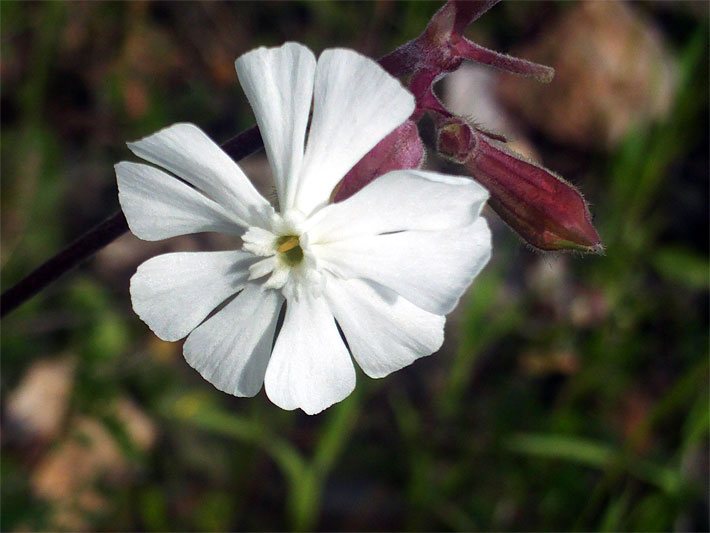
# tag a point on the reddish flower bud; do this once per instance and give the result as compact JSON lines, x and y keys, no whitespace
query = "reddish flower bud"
{"x":399,"y":150}
{"x":548,"y":212}
{"x":544,"y":209}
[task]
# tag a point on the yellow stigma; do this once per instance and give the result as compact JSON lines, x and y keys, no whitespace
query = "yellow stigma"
{"x":290,"y":249}
{"x":286,"y":243}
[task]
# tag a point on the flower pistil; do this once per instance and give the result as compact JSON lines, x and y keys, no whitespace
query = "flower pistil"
{"x":289,"y":249}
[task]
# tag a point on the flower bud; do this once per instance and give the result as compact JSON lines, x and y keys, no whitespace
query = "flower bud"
{"x":399,"y":150}
{"x":544,"y":209}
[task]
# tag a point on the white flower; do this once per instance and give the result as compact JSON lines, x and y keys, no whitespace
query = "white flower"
{"x":387,"y":264}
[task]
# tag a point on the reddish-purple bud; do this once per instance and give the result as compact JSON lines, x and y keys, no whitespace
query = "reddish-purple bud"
{"x":548,"y":212}
{"x":399,"y":150}
{"x":544,"y":209}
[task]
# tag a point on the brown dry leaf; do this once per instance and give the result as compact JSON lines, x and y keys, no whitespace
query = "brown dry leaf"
{"x":613,"y":73}
{"x":138,"y":426}
{"x":37,"y":407}
{"x":545,"y":363}
{"x":589,"y":308}
{"x":67,"y":476}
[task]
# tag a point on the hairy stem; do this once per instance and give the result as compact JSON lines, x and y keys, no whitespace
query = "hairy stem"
{"x":238,"y":147}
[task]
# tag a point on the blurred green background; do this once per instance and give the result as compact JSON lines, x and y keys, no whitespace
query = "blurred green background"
{"x":571,"y":392}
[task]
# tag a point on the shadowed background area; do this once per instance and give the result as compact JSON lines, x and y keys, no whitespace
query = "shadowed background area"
{"x":571,"y":392}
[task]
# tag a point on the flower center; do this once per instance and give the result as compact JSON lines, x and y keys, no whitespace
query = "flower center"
{"x":289,"y":249}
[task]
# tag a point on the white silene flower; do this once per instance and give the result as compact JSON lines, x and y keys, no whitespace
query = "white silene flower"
{"x":386,"y":264}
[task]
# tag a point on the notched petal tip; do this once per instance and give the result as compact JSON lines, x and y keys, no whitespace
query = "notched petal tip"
{"x":345,"y":56}
{"x":356,"y":105}
{"x":139,"y":145}
{"x":267,"y":52}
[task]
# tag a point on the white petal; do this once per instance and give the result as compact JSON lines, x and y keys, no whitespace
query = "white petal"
{"x":401,"y":200}
{"x":173,"y":293}
{"x":262,"y":268}
{"x":231,"y":350}
{"x":259,"y":241}
{"x":279,"y":85}
{"x":384,"y":331}
{"x":431,"y":269}
{"x":310,"y":366}
{"x":158,"y":206}
{"x":279,"y":276}
{"x":186,"y":151}
{"x":355,"y":105}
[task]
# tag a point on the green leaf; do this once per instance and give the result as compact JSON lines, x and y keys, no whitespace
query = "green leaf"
{"x":683,"y":266}
{"x":596,"y":455}
{"x":562,"y":447}
{"x":614,"y":515}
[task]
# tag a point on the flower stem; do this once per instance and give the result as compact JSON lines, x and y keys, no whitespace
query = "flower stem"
{"x":243,"y":144}
{"x":82,"y":248}
{"x":238,"y":147}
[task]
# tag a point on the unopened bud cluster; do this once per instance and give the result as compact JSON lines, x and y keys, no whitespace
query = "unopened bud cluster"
{"x":545,"y":210}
